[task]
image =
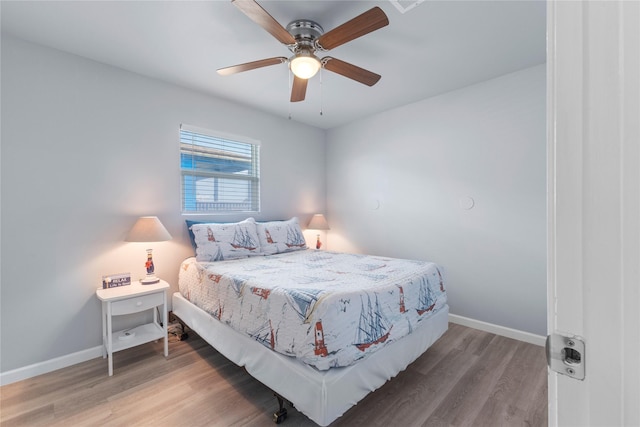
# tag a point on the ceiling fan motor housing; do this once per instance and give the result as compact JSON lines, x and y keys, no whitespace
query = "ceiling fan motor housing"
{"x":305,"y":32}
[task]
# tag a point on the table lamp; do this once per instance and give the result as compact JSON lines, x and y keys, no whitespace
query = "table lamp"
{"x":148,"y":229}
{"x":318,"y":222}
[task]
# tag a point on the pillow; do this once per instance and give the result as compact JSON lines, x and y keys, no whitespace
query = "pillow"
{"x":192,"y":238}
{"x":280,"y":236}
{"x":218,"y":242}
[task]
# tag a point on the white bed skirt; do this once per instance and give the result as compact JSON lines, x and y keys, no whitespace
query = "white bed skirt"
{"x":322,"y":396}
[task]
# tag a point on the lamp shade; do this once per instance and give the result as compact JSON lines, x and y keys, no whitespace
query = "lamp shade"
{"x":318,"y":222}
{"x":148,"y":229}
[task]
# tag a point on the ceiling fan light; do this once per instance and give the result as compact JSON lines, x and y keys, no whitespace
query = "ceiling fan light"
{"x":305,"y":65}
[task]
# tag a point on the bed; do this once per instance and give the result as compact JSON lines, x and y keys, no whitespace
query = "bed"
{"x":321,"y":329}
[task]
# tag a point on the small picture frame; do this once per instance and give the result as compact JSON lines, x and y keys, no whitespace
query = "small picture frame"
{"x":116,"y":280}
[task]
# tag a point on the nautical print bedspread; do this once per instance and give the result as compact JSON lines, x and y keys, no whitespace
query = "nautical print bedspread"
{"x":327,"y":309}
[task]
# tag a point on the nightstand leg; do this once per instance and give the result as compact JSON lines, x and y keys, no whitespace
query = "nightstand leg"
{"x":164,"y":325}
{"x":109,"y":339}
{"x":104,"y":330}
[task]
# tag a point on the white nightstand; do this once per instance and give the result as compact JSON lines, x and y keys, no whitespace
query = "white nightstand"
{"x":133,"y":299}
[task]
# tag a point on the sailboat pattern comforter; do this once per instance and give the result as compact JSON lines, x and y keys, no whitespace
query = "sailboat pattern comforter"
{"x":325,"y":308}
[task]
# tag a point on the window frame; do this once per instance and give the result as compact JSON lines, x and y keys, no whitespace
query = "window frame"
{"x":252,"y":177}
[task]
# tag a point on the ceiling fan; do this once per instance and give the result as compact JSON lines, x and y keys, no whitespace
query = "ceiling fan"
{"x":304,"y":38}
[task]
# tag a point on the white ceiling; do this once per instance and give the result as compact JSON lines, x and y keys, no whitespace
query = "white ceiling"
{"x":436,"y":47}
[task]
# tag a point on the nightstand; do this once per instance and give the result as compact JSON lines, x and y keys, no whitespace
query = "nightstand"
{"x":130,"y":299}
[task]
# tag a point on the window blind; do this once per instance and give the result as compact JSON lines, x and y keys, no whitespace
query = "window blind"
{"x":220,"y":173}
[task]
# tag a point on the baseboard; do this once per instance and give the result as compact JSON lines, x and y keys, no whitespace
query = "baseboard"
{"x":498,"y":330}
{"x":49,"y":365}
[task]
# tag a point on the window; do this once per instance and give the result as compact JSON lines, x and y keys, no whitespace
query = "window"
{"x":220,"y":174}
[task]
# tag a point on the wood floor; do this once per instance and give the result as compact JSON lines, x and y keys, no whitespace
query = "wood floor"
{"x":468,"y":378}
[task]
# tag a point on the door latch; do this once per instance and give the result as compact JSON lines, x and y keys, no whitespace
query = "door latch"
{"x":565,"y":355}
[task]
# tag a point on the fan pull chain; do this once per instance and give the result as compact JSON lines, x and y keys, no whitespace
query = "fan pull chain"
{"x":289,"y":86}
{"x":320,"y":91}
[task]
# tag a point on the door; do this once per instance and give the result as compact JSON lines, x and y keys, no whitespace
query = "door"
{"x":593,"y":206}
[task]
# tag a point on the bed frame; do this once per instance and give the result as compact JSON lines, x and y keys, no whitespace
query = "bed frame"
{"x":323,"y":396}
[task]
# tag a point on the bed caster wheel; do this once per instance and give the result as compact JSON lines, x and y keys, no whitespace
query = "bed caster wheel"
{"x":280,"y":416}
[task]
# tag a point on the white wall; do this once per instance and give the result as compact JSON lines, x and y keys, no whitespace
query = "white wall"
{"x":86,"y":149}
{"x":395,"y":182}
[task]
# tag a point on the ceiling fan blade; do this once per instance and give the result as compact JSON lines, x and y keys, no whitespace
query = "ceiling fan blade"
{"x":251,"y":65}
{"x":350,"y":71}
{"x":299,"y":89}
{"x":369,"y":21}
{"x":257,"y":14}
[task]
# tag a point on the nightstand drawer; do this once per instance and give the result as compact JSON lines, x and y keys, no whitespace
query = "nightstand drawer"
{"x":135,"y":304}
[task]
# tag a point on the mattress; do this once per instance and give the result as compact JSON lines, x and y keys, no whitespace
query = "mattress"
{"x":326,"y":309}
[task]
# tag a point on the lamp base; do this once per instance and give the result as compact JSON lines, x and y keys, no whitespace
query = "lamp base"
{"x":149,"y":280}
